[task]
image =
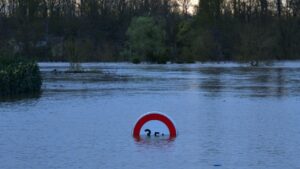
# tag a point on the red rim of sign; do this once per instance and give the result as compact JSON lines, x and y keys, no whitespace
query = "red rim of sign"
{"x":154,"y":116}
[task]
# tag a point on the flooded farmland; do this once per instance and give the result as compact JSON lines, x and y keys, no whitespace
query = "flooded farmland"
{"x":228,"y":116}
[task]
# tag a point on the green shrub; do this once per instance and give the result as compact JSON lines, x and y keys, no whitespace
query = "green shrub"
{"x":146,"y":40}
{"x":19,"y":77}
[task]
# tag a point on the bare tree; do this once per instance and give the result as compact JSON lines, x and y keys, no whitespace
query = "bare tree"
{"x":294,"y":7}
{"x":279,"y":7}
{"x":185,"y":6}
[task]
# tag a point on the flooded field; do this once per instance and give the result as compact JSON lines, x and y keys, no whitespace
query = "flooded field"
{"x":229,"y":116}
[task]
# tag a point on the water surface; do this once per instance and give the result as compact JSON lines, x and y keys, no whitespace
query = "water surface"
{"x":229,"y":116}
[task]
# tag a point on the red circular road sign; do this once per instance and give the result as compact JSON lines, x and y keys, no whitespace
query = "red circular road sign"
{"x":152,"y":120}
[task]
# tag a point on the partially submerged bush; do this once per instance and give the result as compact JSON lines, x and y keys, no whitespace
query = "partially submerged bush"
{"x":19,"y":77}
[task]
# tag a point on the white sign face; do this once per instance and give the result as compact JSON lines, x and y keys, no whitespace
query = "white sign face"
{"x":154,"y":128}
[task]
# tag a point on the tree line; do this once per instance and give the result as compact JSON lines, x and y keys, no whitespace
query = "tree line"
{"x":150,"y":30}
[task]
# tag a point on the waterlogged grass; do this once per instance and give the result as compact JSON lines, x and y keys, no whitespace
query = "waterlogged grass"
{"x":19,"y":77}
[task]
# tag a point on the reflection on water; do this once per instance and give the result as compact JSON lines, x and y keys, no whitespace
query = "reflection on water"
{"x":227,"y":115}
{"x":20,"y":97}
{"x":159,"y":143}
{"x":216,"y":80}
{"x":256,"y":82}
{"x":212,"y":83}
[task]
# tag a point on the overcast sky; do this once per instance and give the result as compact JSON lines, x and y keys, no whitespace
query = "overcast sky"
{"x":194,"y":2}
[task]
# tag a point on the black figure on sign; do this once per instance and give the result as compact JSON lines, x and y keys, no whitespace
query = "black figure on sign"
{"x":148,"y":132}
{"x":156,"y":134}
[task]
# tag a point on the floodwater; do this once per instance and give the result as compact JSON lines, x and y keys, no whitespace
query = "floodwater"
{"x":229,"y":116}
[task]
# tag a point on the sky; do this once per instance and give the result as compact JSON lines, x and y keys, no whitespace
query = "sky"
{"x":194,"y":2}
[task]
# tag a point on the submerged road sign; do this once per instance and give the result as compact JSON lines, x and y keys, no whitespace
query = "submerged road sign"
{"x":154,"y":125}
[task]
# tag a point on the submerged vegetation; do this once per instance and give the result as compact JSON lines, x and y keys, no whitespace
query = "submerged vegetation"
{"x":19,"y":77}
{"x":154,"y":31}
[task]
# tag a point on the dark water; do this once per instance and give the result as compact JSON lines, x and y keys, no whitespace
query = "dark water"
{"x":229,"y":116}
